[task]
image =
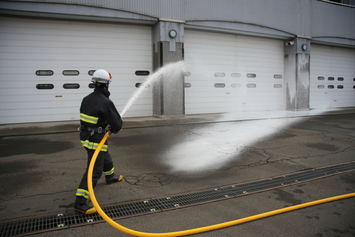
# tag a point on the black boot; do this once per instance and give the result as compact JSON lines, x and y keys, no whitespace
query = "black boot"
{"x":110,"y":179}
{"x":85,"y":209}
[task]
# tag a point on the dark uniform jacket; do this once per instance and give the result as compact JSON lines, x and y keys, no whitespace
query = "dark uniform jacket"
{"x":96,"y":112}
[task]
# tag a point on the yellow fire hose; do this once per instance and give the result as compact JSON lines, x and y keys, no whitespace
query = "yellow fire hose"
{"x":197,"y":230}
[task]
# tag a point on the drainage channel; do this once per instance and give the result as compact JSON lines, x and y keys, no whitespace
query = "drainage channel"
{"x":50,"y":222}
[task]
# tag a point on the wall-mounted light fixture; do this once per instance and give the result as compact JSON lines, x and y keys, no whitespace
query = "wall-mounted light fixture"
{"x":172,"y":33}
{"x":289,"y":43}
{"x":304,"y":47}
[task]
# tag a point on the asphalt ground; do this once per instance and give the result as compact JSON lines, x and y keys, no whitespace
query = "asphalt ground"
{"x":41,"y":166}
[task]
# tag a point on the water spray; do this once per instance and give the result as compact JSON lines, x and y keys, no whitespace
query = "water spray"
{"x":170,"y":71}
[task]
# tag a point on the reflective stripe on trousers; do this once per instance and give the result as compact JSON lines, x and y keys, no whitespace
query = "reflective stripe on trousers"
{"x":93,"y":145}
{"x":82,"y":193}
{"x":110,"y":172}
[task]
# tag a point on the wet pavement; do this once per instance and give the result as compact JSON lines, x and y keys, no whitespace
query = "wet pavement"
{"x":41,"y":166}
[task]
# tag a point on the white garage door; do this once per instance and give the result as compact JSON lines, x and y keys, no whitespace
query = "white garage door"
{"x":230,"y":73}
{"x":332,"y":77}
{"x":45,"y":67}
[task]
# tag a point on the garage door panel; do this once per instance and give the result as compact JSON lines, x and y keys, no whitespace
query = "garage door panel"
{"x":28,"y":45}
{"x":28,"y":100}
{"x":50,"y":104}
{"x":219,"y":107}
{"x":332,"y":77}
{"x":57,"y":66}
{"x":84,"y":47}
{"x":232,"y":71}
{"x":62,"y":55}
{"x":93,"y":30}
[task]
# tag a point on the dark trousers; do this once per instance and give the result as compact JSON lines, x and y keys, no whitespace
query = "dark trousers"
{"x":103,"y":164}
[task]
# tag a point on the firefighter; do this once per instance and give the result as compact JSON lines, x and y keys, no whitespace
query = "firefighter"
{"x":98,"y":114}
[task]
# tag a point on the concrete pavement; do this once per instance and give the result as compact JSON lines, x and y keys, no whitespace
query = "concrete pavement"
{"x":41,"y":165}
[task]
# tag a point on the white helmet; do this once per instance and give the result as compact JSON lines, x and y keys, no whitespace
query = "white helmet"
{"x":101,"y":76}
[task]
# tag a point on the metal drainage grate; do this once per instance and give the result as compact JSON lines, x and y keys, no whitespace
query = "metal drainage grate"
{"x":34,"y":225}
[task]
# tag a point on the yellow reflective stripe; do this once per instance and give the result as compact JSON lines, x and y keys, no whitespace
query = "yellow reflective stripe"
{"x":88,"y":118}
{"x":110,"y":171}
{"x":82,"y":193}
{"x":93,"y":145}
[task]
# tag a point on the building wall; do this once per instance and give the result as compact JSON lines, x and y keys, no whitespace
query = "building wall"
{"x":323,"y":21}
{"x":302,"y":22}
